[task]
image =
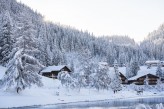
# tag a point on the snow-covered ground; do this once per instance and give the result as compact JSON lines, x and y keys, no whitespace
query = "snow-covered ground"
{"x":48,"y":95}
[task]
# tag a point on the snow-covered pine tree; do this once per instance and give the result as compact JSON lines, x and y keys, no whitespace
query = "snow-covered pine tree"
{"x":85,"y":70}
{"x":146,"y":83}
{"x":89,"y":69}
{"x":160,"y":85}
{"x":24,"y":67}
{"x":22,"y":72}
{"x":159,"y":71}
{"x":80,"y":78}
{"x":26,"y":38}
{"x":5,"y":38}
{"x":128,"y":74}
{"x":75,"y":60}
{"x":134,"y":68}
{"x":102,"y":78}
{"x":116,"y":80}
{"x":122,"y":59}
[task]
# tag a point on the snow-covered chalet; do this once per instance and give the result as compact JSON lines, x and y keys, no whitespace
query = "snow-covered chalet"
{"x":143,"y":75}
{"x":52,"y":71}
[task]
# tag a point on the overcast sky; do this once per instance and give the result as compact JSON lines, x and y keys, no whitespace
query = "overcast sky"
{"x":135,"y":18}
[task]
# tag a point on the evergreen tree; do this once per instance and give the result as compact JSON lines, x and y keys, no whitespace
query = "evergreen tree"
{"x":5,"y":38}
{"x":24,"y":67}
{"x":159,"y":72}
{"x":116,"y":80}
{"x":159,"y":86}
{"x":146,"y":83}
{"x":128,"y":74}
{"x":22,"y":72}
{"x":134,"y":68}
{"x":102,"y":78}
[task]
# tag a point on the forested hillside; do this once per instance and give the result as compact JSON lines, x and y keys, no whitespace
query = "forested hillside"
{"x":153,"y":45}
{"x":54,"y":41}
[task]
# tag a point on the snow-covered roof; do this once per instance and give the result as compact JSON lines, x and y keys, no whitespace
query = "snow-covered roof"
{"x":53,"y":68}
{"x":152,"y":61}
{"x":122,"y":70}
{"x":2,"y":71}
{"x":144,"y":71}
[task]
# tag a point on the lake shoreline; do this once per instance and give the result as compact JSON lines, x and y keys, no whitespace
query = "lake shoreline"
{"x":96,"y":102}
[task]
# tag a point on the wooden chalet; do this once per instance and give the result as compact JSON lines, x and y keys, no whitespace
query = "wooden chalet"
{"x":52,"y":71}
{"x":123,"y":78}
{"x":143,"y":75}
{"x":140,"y":80}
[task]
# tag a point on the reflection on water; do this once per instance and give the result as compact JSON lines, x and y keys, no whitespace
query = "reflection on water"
{"x":140,"y":103}
{"x":137,"y":106}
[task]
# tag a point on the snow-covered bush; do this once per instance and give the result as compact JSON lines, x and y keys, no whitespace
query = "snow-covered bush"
{"x":159,"y":86}
{"x":67,"y":80}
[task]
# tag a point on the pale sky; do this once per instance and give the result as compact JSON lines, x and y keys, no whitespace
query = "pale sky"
{"x":135,"y":18}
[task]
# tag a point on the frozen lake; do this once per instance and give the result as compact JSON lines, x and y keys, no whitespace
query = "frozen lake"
{"x":132,"y":103}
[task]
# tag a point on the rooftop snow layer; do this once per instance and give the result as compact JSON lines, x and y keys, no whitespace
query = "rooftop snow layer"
{"x":2,"y":71}
{"x":53,"y":68}
{"x":144,"y":71}
{"x":152,"y":61}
